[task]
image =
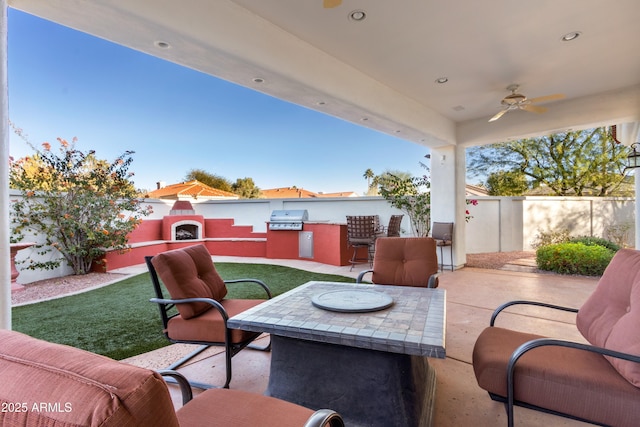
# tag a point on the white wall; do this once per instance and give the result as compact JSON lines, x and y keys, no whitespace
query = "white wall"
{"x":499,"y":224}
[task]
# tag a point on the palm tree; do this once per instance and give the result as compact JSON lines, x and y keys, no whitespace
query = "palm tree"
{"x":368,"y":174}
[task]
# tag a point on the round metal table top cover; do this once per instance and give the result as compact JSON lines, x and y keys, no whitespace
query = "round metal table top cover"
{"x":352,"y":301}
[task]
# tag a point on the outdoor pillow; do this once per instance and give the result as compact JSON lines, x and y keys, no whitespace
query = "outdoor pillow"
{"x":611,"y":315}
{"x":189,"y":273}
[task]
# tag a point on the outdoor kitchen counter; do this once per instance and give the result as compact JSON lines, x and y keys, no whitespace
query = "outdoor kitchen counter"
{"x":329,"y":243}
{"x":371,"y":367}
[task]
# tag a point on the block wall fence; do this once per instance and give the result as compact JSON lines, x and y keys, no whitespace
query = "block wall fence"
{"x":239,"y":227}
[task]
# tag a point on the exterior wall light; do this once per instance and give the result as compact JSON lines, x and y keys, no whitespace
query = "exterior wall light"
{"x":633,"y":159}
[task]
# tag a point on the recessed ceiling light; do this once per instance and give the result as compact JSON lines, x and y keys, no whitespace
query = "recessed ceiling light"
{"x":357,"y":15}
{"x":442,"y":80}
{"x":571,"y":36}
{"x":258,"y":80}
{"x":162,"y":45}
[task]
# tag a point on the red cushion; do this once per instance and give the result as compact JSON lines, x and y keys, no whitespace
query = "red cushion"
{"x":571,"y":381}
{"x":235,"y":408}
{"x":209,"y":326}
{"x":77,"y":388}
{"x":611,"y":315}
{"x":404,"y":261}
{"x":189,"y":273}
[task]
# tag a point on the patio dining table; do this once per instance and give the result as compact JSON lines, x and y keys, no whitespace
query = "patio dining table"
{"x":358,"y":349}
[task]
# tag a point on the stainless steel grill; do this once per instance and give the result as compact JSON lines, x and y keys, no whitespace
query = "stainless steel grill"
{"x":288,"y":219}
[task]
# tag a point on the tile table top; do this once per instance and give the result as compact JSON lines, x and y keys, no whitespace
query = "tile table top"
{"x":414,"y":324}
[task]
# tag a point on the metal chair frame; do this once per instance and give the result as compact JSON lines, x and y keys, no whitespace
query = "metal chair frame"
{"x":320,"y":418}
{"x":442,"y":233}
{"x":509,"y":400}
{"x":165,"y":305}
{"x":393,"y":230}
{"x":432,"y":281}
{"x":361,"y":233}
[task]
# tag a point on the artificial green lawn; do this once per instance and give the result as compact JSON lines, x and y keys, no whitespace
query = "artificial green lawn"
{"x":118,"y":320}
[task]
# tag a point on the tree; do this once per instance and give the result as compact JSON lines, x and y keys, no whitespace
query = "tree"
{"x":411,"y":195}
{"x":210,"y":179}
{"x":507,"y":183}
{"x":246,"y":188}
{"x":368,"y":175}
{"x":82,"y":206}
{"x":587,"y":162}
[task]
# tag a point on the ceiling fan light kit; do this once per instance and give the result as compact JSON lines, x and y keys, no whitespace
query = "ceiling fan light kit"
{"x":518,"y":101}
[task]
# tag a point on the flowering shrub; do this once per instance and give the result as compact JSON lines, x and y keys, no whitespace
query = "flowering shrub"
{"x":467,"y":215}
{"x":412,"y":196}
{"x":81,"y":205}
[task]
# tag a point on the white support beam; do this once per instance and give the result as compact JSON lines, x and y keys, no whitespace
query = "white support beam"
{"x":5,"y":261}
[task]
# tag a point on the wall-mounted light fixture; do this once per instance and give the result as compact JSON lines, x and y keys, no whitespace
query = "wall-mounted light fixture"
{"x":633,"y":158}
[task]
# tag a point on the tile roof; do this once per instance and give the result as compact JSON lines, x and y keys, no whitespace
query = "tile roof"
{"x":288,"y":193}
{"x":190,"y":190}
{"x":300,"y":193}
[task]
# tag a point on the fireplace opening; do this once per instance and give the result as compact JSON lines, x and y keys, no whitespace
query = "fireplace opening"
{"x":186,"y":230}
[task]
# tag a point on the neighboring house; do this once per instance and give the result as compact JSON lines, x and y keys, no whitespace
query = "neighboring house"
{"x":191,"y":190}
{"x":300,"y":193}
{"x":476,"y":190}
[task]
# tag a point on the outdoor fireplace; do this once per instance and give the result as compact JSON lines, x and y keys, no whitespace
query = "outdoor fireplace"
{"x":182,"y":223}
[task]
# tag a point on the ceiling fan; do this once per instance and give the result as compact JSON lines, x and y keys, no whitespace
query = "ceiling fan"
{"x":517,"y":101}
{"x":331,"y":3}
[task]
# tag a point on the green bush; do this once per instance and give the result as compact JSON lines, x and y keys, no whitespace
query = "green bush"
{"x":596,"y":241}
{"x":574,"y":258}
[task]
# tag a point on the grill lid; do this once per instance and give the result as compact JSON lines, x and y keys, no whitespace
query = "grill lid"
{"x":288,"y":219}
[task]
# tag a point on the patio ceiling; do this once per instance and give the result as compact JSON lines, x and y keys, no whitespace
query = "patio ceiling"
{"x":381,"y":72}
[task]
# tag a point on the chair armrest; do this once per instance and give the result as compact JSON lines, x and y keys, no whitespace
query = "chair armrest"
{"x":523,"y":302}
{"x":209,"y":301}
{"x":325,"y":417}
{"x":540,"y":342}
{"x":259,"y":282}
{"x":361,"y":275}
{"x":433,"y":280}
{"x":185,"y":387}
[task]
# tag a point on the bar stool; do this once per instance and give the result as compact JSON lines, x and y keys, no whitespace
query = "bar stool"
{"x":442,"y":233}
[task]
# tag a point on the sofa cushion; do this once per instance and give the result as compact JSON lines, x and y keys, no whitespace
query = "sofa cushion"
{"x":61,"y":386}
{"x":270,"y":411}
{"x":571,"y":381}
{"x":404,"y":261}
{"x":189,"y":273}
{"x":611,"y":315}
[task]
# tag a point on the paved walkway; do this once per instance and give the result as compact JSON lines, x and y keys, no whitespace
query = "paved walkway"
{"x":472,"y":294}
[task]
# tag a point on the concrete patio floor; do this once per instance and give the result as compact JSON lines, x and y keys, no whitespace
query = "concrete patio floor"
{"x":472,"y":294}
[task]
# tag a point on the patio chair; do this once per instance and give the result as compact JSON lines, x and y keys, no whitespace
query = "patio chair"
{"x":442,"y":233}
{"x":198,"y":294}
{"x":404,"y":261}
{"x":361,"y":233}
{"x":393,"y":229}
{"x":54,"y":385}
{"x":598,"y":382}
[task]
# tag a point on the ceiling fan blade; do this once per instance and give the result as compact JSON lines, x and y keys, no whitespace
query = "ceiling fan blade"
{"x":533,"y":108}
{"x":497,"y":116}
{"x":328,"y":4}
{"x":548,"y":98}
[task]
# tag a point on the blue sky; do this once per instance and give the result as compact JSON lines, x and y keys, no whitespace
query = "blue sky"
{"x":63,"y":83}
